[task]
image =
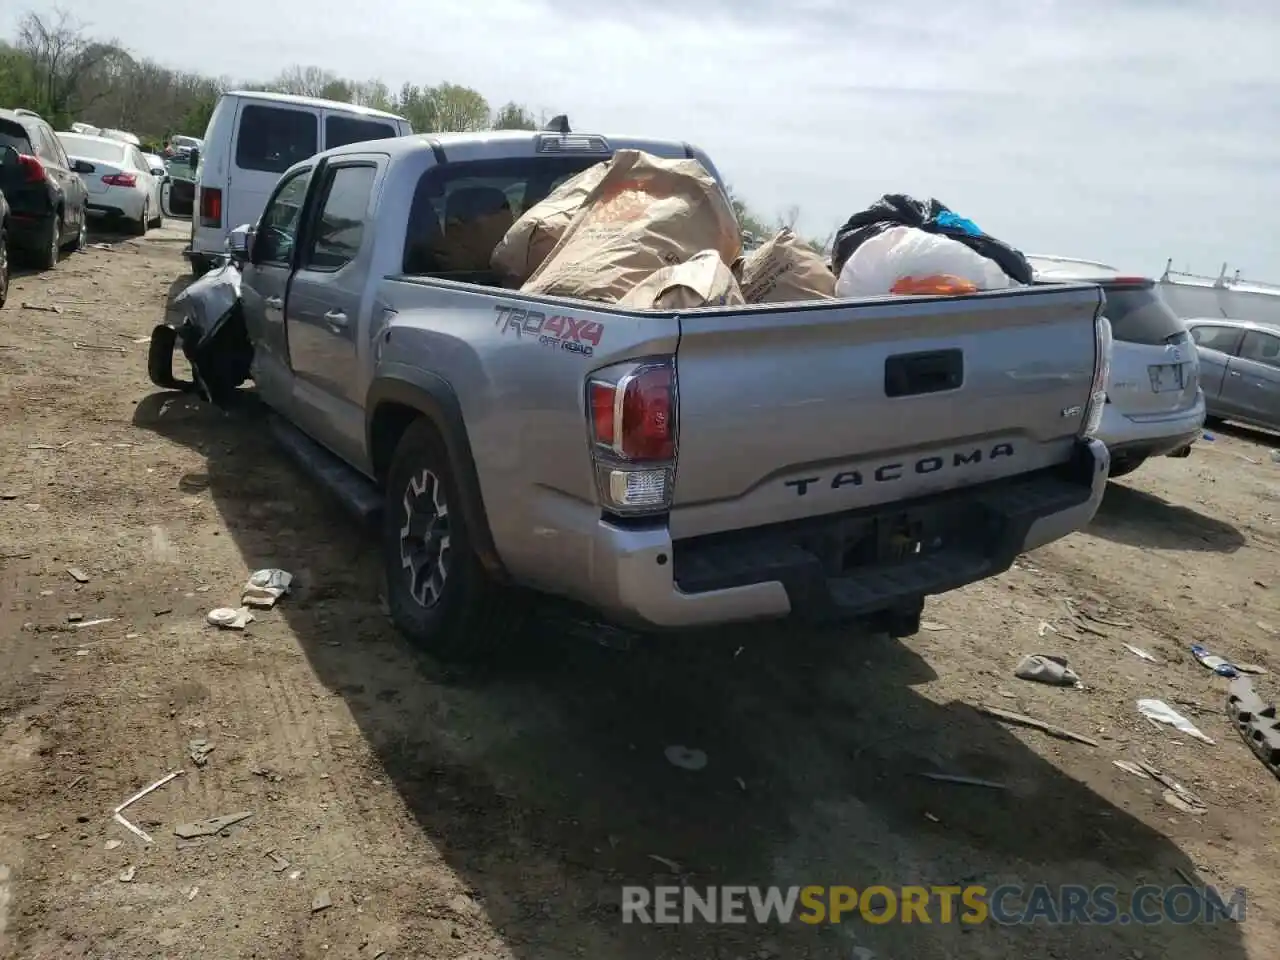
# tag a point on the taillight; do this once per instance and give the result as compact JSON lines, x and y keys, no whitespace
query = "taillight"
{"x":120,"y":179}
{"x":1101,"y":376}
{"x":210,"y":207}
{"x":31,"y":167}
{"x":633,"y":422}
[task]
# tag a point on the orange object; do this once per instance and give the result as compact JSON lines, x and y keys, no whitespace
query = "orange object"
{"x":934,"y":285}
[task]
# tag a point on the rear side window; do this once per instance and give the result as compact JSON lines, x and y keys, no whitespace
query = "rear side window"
{"x":340,"y":131}
{"x":14,"y":135}
{"x":1138,"y":315}
{"x":273,"y":139}
{"x":1222,"y":339}
{"x":340,"y":229}
{"x":460,"y":211}
{"x":1262,"y":347}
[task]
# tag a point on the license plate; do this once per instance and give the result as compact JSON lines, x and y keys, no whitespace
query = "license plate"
{"x":1166,"y":377}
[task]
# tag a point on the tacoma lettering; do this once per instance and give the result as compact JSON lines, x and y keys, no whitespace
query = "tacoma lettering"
{"x":889,"y":472}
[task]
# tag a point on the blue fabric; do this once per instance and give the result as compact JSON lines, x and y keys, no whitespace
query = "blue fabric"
{"x":949,"y":220}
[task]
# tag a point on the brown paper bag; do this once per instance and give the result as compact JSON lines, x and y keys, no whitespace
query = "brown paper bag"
{"x":536,"y":233}
{"x":785,"y":270}
{"x":646,"y":213}
{"x":701,"y":281}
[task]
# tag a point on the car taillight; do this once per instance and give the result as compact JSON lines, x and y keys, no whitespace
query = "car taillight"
{"x":32,"y":168}
{"x":120,"y":179}
{"x":1101,"y":377}
{"x":633,"y":419}
{"x":210,"y":207}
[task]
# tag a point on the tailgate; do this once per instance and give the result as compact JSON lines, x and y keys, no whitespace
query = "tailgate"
{"x":798,"y":411}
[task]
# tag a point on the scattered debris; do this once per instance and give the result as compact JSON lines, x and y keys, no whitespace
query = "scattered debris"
{"x":207,"y":828}
{"x":40,"y":307}
{"x":1140,"y":653}
{"x":78,"y":575}
{"x":1158,"y":712}
{"x":199,"y":751}
{"x":1024,"y":721}
{"x":279,"y":863}
{"x":191,"y":894}
{"x":94,"y":623}
{"x":1047,"y":668}
{"x":127,"y":874}
{"x":1045,"y":627}
{"x":101,"y":348}
{"x":112,"y":844}
{"x":265,"y":587}
{"x":118,"y":813}
{"x":42,"y":836}
{"x":322,"y":901}
{"x":933,"y":626}
{"x":1212,"y":661}
{"x":1176,"y":795}
{"x":1256,"y":721}
{"x":1250,"y":668}
{"x":686,"y":758}
{"x":1130,"y":767}
{"x":666,"y":862}
{"x":229,"y":619}
{"x":964,"y":781}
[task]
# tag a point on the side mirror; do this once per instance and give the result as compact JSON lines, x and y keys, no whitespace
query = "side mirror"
{"x":240,"y":244}
{"x":158,"y":171}
{"x":193,"y":158}
{"x":82,"y":166}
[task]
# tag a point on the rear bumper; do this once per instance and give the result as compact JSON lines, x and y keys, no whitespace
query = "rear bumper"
{"x":1127,"y":437}
{"x":642,"y":578}
{"x":126,"y":205}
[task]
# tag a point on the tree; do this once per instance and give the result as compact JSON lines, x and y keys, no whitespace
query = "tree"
{"x":60,"y":59}
{"x":459,"y":109}
{"x":512,"y":116}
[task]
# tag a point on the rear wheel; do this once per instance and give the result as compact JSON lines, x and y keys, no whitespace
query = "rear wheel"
{"x":46,"y":254}
{"x":139,"y":227}
{"x":4,"y":265}
{"x":439,"y":594}
{"x":1122,"y":466}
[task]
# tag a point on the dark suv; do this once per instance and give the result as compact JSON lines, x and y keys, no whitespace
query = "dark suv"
{"x":46,"y":196}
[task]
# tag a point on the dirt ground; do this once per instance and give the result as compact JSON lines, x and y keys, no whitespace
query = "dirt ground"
{"x":452,"y":815}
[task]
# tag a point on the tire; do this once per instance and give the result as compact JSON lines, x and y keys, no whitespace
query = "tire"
{"x":138,"y":228}
{"x":4,"y":265}
{"x":1124,"y":466}
{"x":82,"y":235}
{"x":46,"y":257}
{"x":462,"y":615}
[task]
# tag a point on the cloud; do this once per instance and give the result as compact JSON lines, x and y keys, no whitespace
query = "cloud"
{"x":1127,"y":131}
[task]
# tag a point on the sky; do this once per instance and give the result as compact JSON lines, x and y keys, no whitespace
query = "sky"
{"x":1126,"y":131}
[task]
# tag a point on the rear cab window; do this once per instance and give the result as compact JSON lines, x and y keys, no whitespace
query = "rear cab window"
{"x":272,"y":139}
{"x":341,"y":130}
{"x":339,"y":230}
{"x":1139,"y":315}
{"x":460,"y":211}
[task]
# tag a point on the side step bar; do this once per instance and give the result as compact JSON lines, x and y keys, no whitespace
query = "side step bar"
{"x":353,"y":490}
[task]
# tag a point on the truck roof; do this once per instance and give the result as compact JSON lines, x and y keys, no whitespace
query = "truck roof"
{"x":316,"y":102}
{"x":499,"y":144}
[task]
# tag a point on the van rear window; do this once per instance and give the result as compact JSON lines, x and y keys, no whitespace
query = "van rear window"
{"x":340,"y":131}
{"x":273,"y":139}
{"x":461,"y":210}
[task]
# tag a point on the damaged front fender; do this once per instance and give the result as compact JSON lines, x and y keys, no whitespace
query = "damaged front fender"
{"x":206,"y":319}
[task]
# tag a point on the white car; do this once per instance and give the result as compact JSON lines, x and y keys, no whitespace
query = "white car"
{"x":1155,"y":407}
{"x":120,"y":182}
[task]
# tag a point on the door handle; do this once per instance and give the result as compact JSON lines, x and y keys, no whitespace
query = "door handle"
{"x":1235,"y":373}
{"x":274,"y":302}
{"x":336,"y":317}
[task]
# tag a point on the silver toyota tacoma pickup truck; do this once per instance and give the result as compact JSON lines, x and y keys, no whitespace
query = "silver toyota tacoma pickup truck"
{"x":828,"y":459}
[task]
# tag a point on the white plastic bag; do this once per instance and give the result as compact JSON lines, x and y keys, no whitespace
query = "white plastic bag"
{"x":905,"y":260}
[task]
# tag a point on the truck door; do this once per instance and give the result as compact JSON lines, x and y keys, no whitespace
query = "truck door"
{"x":266,"y":285}
{"x":327,"y":301}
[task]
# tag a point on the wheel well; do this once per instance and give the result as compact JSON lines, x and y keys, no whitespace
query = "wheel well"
{"x":390,"y":421}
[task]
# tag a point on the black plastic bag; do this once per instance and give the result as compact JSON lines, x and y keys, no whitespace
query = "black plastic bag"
{"x":933,"y":216}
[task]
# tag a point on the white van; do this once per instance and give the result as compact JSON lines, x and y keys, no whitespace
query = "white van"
{"x":252,"y":138}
